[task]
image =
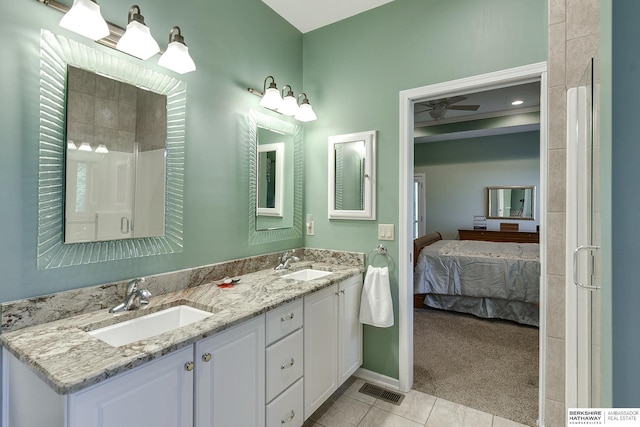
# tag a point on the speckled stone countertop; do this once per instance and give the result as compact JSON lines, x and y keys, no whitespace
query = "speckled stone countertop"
{"x":68,"y":358}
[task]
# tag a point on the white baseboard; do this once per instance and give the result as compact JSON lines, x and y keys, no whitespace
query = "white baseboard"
{"x":378,"y":379}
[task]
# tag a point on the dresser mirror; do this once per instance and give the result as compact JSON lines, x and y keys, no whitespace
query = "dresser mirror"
{"x":56,"y":247}
{"x":511,"y":202}
{"x":352,"y":176}
{"x":275,"y":181}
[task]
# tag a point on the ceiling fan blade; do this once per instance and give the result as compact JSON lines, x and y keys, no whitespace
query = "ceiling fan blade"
{"x":421,"y":108}
{"x":454,"y":99}
{"x":464,"y":107}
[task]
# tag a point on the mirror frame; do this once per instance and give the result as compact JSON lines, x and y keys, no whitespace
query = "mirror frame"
{"x":55,"y":53}
{"x":369,"y":211}
{"x":257,"y":119}
{"x":278,"y":147}
{"x":511,"y":187}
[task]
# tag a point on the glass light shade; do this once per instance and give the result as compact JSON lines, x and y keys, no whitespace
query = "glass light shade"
{"x":85,"y":146}
{"x":102,"y":149}
{"x":305,"y":113}
{"x":289,"y":106}
{"x":71,"y":145}
{"x":85,"y":18}
{"x":271,"y":99}
{"x":177,"y":58}
{"x":137,"y":41}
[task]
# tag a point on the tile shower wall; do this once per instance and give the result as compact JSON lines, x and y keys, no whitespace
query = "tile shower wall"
{"x":574,"y":35}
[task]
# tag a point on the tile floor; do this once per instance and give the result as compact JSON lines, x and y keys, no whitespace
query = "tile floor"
{"x":347,"y":407}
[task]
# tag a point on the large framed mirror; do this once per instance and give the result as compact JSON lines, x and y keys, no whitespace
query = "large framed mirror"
{"x":511,"y":202}
{"x":58,"y":56}
{"x":352,"y":177}
{"x":275,"y":178}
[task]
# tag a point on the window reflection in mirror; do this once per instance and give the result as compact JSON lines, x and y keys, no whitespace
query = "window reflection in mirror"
{"x":115,"y":159}
{"x":514,"y":202}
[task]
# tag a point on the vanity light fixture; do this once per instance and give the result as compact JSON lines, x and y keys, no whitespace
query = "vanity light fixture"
{"x":85,"y":146}
{"x":517,"y":102}
{"x":271,"y":97}
{"x":305,"y":111}
{"x":289,"y":106}
{"x":71,"y":145}
{"x":137,"y":40}
{"x":85,"y":18}
{"x":102,"y":149}
{"x":176,"y":57}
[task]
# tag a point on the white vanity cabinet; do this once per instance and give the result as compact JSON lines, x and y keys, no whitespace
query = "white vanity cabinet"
{"x":158,"y":393}
{"x":230,"y":377}
{"x":284,"y":364}
{"x":332,"y":340}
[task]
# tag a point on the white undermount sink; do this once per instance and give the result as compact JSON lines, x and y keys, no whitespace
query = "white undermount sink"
{"x":149,"y":325}
{"x":306,"y":274}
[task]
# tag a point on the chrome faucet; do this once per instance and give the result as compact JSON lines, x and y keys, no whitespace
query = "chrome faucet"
{"x":134,"y":297}
{"x":285,"y":259}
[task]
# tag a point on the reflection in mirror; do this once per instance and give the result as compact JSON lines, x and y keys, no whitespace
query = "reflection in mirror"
{"x":514,"y":202}
{"x":270,"y":184}
{"x":56,"y":54}
{"x":352,"y":176}
{"x":279,"y":142}
{"x":115,"y":159}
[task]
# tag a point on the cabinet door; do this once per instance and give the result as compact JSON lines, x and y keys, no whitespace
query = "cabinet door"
{"x":320,"y":347}
{"x":159,"y":393}
{"x":230,"y":375}
{"x":349,"y":328}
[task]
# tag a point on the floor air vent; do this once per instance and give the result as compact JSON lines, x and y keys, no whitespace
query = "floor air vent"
{"x":380,"y":393}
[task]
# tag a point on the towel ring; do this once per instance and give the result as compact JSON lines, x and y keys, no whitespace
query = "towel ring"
{"x":381,"y":250}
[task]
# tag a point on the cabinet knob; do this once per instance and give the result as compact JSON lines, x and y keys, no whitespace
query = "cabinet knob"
{"x":290,"y":418}
{"x":288,"y":365}
{"x":189,"y":366}
{"x":287,"y":317}
{"x":206,"y":357}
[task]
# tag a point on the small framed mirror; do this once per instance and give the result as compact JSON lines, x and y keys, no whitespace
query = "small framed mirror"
{"x":352,"y":176}
{"x":511,"y":202}
{"x":270,"y":183}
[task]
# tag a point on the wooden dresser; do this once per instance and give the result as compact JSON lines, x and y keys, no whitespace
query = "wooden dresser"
{"x":499,"y":236}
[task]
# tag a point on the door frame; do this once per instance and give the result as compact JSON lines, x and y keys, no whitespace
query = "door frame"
{"x":493,"y":80}
{"x":422,"y":177}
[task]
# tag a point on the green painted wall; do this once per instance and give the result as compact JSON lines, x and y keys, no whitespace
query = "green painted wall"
{"x":235,"y":44}
{"x":353,"y":73}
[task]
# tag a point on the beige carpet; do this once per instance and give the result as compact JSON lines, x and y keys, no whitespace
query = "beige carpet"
{"x":490,"y":365}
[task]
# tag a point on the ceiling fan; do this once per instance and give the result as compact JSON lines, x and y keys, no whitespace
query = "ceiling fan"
{"x":437,"y":108}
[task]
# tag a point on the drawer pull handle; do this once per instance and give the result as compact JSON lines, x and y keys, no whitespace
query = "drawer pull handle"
{"x":189,"y":366}
{"x":288,"y":365}
{"x":292,"y":415}
{"x":287,"y":317}
{"x":206,"y":357}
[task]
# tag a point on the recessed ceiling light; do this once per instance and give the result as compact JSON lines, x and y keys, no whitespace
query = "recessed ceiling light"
{"x":517,"y":102}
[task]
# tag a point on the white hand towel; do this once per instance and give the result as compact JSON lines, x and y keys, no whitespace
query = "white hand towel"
{"x":376,"y":305}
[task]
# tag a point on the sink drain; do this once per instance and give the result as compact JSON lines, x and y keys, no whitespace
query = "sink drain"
{"x":381,"y":393}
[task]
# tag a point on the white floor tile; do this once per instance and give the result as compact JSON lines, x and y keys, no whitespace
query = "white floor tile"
{"x":344,"y":412}
{"x":353,"y":392}
{"x":449,"y":414}
{"x":503,"y":422}
{"x":415,"y":406}
{"x":377,"y":417}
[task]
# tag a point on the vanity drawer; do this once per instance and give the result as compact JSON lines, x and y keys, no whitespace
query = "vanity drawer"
{"x":284,"y":363}
{"x":284,"y":320}
{"x":286,"y":409}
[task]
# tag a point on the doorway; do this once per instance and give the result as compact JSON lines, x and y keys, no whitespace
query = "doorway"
{"x":510,"y":77}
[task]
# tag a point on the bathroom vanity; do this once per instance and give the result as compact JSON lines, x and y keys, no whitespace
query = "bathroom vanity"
{"x":268,"y":342}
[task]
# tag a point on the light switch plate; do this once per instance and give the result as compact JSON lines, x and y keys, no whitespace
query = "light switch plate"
{"x":385,"y":232}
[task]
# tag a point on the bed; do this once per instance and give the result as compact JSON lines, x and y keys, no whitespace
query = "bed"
{"x":487,"y":279}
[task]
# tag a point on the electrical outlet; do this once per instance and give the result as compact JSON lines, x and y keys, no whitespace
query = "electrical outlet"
{"x":310,"y":228}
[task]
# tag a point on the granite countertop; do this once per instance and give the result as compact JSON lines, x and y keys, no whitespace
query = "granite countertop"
{"x":68,"y":358}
